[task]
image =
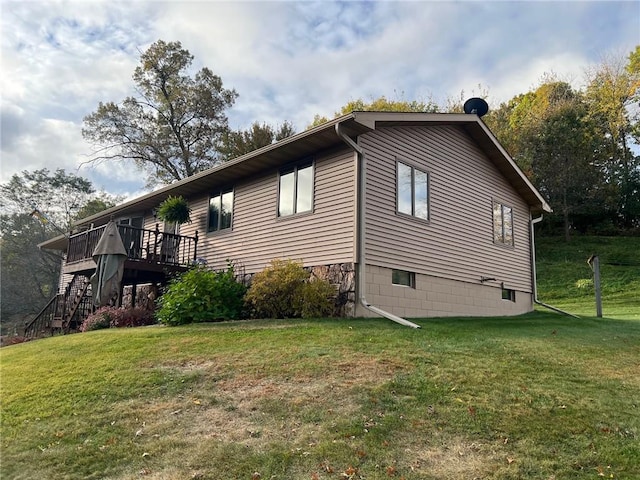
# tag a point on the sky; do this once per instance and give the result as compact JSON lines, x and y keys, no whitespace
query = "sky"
{"x":288,"y":61}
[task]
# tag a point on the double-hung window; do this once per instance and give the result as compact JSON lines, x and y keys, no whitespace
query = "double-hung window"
{"x":220,"y":211}
{"x":412,"y":191}
{"x":295,"y":193}
{"x":502,"y":224}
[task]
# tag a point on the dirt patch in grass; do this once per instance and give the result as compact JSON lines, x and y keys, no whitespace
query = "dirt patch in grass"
{"x":458,"y":458}
{"x":255,"y":409}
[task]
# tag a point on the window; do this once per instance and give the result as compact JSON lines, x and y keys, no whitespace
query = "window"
{"x":502,"y":224}
{"x":413,"y":191}
{"x":404,"y":278}
{"x":136,"y":222}
{"x":508,"y":294}
{"x":220,"y":211}
{"x":131,"y":237}
{"x":295,"y":193}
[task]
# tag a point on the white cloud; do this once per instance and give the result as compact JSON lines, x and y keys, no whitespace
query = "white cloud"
{"x":288,"y":60}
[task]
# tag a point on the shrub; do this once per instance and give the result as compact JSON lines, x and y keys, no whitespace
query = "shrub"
{"x":283,"y":290}
{"x":131,"y":317}
{"x":114,"y":317}
{"x":99,"y":319}
{"x":201,"y":295}
{"x":315,"y":299}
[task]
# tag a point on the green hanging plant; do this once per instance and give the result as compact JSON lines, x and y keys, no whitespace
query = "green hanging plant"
{"x":175,"y":210}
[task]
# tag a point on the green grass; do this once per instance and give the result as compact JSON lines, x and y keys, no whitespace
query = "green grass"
{"x":541,"y":396}
{"x":564,"y":277}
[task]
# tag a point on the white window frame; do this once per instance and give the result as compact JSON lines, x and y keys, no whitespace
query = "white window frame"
{"x":295,"y":169}
{"x":413,"y":213}
{"x":220,"y":194}
{"x":503,"y":233}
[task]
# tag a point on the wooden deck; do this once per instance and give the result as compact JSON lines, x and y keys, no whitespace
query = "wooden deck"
{"x":147,"y":250}
{"x":152,"y":257}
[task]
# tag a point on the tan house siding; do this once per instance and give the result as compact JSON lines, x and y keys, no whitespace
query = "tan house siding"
{"x":457,"y":242}
{"x":150,"y":222}
{"x":438,"y":297}
{"x":325,"y":236}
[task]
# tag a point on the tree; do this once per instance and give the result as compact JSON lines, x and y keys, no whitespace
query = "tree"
{"x":550,"y":136}
{"x":171,"y":129}
{"x":381,"y":104}
{"x":559,"y":147}
{"x":29,"y":276}
{"x":234,"y":144}
{"x":37,"y":206}
{"x":612,"y":93}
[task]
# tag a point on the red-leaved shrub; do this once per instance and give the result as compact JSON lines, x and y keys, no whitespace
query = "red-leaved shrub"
{"x":114,"y":317}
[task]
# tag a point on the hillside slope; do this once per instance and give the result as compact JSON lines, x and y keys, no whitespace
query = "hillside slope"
{"x":565,"y":278}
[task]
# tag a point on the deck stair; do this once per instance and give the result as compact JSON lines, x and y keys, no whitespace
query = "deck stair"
{"x":75,"y":297}
{"x":64,"y":312}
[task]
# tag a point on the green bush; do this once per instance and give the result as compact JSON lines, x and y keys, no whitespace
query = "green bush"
{"x":315,"y":299}
{"x":283,"y":290}
{"x":201,"y":295}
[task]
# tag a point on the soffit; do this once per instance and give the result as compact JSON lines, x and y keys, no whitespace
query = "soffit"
{"x":314,"y":141}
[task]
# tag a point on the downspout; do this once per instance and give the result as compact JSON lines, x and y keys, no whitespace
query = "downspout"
{"x":534,"y":276}
{"x":360,"y":235}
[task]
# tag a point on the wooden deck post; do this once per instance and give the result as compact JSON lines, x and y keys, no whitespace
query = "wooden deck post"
{"x":195,"y":247}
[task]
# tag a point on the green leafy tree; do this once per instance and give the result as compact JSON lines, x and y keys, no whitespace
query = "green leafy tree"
{"x":380,"y":104}
{"x":612,"y":95}
{"x":29,"y":276}
{"x":559,"y":147}
{"x":234,"y":144}
{"x":549,"y":134}
{"x":171,"y":129}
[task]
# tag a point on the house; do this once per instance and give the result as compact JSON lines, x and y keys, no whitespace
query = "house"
{"x":409,"y":214}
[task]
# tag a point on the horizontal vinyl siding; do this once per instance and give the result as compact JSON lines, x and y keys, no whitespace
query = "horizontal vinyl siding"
{"x":150,"y":222}
{"x":457,"y":242}
{"x":257,"y":236}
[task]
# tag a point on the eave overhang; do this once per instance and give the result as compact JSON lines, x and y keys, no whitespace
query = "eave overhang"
{"x":311,"y":142}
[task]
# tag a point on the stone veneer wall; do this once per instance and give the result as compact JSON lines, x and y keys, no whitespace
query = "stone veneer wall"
{"x":439,"y":297}
{"x":343,"y":277}
{"x":146,"y":295}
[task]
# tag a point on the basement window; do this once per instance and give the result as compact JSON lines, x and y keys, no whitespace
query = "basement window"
{"x":508,"y":294}
{"x":403,"y":278}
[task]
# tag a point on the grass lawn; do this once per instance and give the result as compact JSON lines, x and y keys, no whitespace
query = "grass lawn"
{"x":541,"y":396}
{"x":564,"y":275}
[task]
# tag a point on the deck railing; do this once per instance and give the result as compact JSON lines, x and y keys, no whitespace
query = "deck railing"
{"x":43,"y":323}
{"x":141,"y":244}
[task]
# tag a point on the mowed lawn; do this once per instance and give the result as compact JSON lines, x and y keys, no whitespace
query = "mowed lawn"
{"x":542,"y":396}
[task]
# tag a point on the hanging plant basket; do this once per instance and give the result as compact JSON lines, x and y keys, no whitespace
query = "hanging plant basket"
{"x":175,"y":210}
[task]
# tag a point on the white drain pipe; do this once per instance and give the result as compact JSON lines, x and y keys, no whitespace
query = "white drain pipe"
{"x":534,"y":275}
{"x":360,"y":235}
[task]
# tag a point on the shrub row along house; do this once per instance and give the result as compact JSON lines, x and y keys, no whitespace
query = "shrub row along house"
{"x":408,"y":214}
